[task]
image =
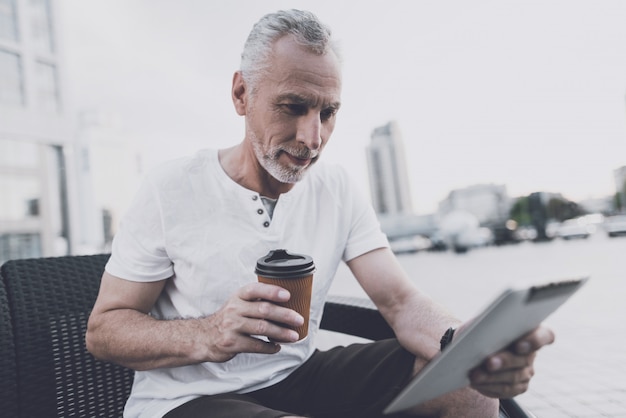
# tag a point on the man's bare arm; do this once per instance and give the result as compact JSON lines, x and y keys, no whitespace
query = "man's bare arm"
{"x":416,"y":319}
{"x":120,"y":329}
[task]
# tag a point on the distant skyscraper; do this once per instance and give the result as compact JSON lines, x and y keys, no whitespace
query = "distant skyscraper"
{"x":620,"y":185}
{"x":389,"y":180}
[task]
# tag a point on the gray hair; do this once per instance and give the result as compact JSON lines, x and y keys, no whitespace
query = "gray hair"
{"x":306,"y":28}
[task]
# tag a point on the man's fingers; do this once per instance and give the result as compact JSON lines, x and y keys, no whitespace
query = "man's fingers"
{"x":256,"y":345}
{"x":262,"y":299}
{"x":270,"y":292}
{"x":504,"y":374}
{"x":249,"y":344}
{"x":504,"y":384}
{"x":505,"y":360}
{"x":521,"y":374}
{"x":261,"y":314}
{"x":534,"y":340}
{"x":275,"y":332}
{"x":271,"y":312}
{"x":521,"y":353}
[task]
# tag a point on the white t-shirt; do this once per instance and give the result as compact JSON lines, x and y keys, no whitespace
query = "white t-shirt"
{"x":192,"y":222}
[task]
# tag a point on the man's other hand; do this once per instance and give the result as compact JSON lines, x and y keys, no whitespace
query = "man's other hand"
{"x":507,"y":373}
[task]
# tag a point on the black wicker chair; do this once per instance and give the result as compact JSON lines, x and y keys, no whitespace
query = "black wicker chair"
{"x":46,"y":370}
{"x":8,"y":367}
{"x":50,"y":300}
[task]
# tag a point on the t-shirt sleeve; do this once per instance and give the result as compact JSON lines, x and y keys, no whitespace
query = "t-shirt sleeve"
{"x":138,"y":250}
{"x":365,"y":233}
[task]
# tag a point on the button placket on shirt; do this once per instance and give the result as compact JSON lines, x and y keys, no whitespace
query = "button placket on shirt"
{"x":261,"y":210}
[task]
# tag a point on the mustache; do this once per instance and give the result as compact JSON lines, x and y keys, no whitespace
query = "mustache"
{"x":303,"y":153}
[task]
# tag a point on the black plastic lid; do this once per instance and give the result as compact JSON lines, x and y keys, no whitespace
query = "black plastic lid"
{"x":281,"y":264}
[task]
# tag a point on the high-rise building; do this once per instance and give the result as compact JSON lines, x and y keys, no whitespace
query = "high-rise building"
{"x":35,"y":130}
{"x":620,"y":186}
{"x":388,"y":177}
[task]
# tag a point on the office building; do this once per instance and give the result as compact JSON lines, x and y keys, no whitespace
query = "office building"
{"x":487,"y":202}
{"x":388,"y":177}
{"x":620,"y":186}
{"x":35,"y":131}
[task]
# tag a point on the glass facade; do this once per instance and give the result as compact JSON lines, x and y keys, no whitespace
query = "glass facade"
{"x":33,"y":214}
{"x":8,"y":20}
{"x":20,"y":245}
{"x":17,"y":154}
{"x":23,"y":194}
{"x":21,"y":191}
{"x":11,"y":81}
{"x":34,"y":209}
{"x":41,"y":26}
{"x":46,"y":87}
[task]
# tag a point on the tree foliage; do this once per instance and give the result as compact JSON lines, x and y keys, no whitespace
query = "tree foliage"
{"x":520,"y":212}
{"x":558,"y":209}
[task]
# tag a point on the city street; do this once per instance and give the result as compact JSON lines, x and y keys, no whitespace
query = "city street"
{"x":584,"y":373}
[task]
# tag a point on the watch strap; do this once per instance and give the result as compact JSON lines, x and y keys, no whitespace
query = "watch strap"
{"x":447,"y":338}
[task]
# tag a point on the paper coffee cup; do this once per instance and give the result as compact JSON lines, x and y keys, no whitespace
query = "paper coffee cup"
{"x":293,"y":272}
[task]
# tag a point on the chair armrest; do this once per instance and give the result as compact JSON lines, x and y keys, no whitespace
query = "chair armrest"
{"x":355,"y":316}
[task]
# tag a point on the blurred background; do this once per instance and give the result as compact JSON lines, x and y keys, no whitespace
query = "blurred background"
{"x":468,"y":123}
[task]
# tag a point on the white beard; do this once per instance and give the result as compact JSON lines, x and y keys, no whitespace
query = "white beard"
{"x":285,"y":173}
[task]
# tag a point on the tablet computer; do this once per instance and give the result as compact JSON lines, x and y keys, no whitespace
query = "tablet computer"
{"x":515,"y":312}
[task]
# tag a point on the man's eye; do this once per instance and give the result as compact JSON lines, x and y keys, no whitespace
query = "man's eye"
{"x":327,"y":114}
{"x":294,"y":109}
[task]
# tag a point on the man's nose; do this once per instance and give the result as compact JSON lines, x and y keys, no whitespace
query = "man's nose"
{"x":310,"y":130}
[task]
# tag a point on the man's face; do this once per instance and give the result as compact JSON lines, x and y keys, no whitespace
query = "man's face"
{"x":292,"y":112}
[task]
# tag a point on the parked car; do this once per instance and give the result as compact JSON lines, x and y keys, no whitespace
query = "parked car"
{"x":615,"y":225}
{"x":575,"y":228}
{"x":410,"y":245}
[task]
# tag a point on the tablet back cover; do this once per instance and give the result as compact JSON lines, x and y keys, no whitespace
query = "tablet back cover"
{"x":511,"y":315}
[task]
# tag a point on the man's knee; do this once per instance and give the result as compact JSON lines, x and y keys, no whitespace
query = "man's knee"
{"x":465,"y":403}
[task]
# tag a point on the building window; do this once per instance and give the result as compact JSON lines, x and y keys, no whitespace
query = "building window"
{"x":21,"y":190}
{"x":21,"y":197}
{"x":34,"y":214}
{"x":14,"y":246}
{"x":20,"y":218}
{"x":46,"y":86}
{"x":11,"y":81}
{"x":41,"y":25}
{"x":8,"y":20}
{"x":19,"y":154}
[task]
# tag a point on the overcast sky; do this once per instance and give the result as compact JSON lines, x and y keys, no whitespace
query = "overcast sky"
{"x":530,"y":94}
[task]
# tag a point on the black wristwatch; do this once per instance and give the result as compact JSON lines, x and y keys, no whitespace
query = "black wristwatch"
{"x":447,"y":338}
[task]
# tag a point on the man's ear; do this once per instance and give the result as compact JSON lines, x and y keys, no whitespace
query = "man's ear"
{"x":239,"y":93}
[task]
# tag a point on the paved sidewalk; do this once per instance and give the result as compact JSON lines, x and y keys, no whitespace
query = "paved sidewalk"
{"x":584,"y":373}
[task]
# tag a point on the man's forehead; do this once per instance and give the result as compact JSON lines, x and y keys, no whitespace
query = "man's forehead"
{"x":295,"y":70}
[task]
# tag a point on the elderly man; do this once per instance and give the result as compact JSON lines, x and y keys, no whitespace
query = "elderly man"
{"x":180,"y":303}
